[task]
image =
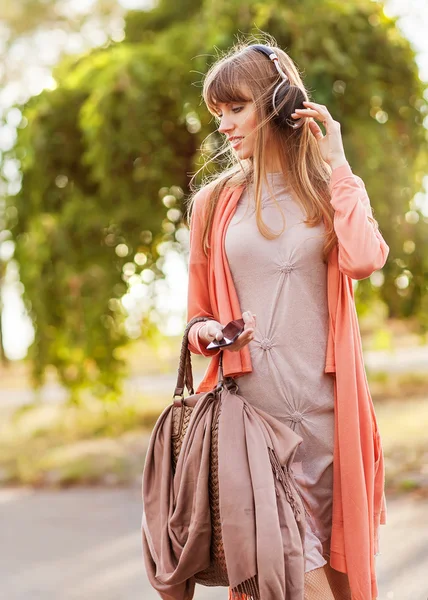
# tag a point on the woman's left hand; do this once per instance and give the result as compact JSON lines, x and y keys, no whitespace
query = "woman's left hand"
{"x":330,"y":144}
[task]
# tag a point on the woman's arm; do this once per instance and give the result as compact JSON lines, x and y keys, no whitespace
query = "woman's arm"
{"x":198,"y":301}
{"x":362,"y":249}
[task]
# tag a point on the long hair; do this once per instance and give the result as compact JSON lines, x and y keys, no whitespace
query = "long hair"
{"x":227,"y":80}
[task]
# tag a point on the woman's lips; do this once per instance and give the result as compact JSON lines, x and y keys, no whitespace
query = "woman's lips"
{"x":235,"y":142}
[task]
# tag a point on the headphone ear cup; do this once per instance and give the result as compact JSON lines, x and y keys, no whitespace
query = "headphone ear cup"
{"x":288,"y":98}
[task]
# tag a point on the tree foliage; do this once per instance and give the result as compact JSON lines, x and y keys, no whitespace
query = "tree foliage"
{"x":90,"y":202}
{"x":107,"y":155}
{"x":25,"y":17}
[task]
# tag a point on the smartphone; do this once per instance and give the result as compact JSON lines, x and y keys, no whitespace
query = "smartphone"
{"x":231,"y":331}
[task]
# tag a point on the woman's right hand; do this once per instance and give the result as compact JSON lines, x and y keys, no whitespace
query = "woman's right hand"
{"x":213,"y":330}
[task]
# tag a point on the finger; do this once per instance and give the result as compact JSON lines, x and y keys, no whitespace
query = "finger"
{"x":250,"y":320}
{"x":309,"y":112}
{"x":317,"y":111}
{"x":242,"y":341}
{"x":316,"y":130}
{"x":249,"y":314}
{"x":319,"y":107}
{"x":244,"y":337}
{"x":312,"y":103}
{"x":246,"y":333}
{"x":214,"y":330}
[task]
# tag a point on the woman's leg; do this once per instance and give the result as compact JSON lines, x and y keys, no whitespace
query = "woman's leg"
{"x":317,"y":586}
{"x":324,"y":583}
{"x":339,"y":582}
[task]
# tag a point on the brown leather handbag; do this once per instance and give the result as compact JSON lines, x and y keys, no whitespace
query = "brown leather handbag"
{"x":216,"y":573}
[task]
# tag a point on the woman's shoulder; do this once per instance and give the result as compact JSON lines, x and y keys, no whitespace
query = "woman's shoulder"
{"x":199,"y":200}
{"x":197,"y":203}
{"x":201,"y":196}
{"x":204,"y":193}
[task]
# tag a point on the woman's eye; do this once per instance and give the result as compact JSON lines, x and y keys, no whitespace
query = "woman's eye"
{"x":235,"y":109}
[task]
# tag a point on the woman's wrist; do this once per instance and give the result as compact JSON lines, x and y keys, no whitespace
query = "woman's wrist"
{"x":338,"y":162}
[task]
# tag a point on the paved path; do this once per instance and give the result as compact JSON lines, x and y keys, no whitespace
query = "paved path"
{"x":84,"y":544}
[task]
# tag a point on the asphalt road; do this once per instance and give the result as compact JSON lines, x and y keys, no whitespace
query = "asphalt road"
{"x":84,"y":544}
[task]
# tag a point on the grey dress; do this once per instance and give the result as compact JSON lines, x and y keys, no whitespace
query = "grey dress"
{"x":284,"y":282}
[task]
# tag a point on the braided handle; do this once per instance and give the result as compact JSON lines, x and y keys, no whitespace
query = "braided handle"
{"x":185,"y":375}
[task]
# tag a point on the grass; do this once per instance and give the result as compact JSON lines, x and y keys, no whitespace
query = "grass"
{"x":389,"y":386}
{"x":60,"y":445}
{"x":403,"y":426}
{"x":66,"y":444}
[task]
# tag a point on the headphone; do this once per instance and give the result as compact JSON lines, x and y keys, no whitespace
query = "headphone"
{"x":282,"y":114}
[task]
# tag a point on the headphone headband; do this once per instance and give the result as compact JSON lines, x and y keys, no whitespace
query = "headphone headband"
{"x":267,"y":51}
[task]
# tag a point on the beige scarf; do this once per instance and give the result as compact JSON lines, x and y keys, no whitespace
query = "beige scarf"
{"x":262,"y":515}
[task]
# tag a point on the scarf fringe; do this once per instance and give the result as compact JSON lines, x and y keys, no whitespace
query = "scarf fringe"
{"x":284,"y":476}
{"x":247,"y":590}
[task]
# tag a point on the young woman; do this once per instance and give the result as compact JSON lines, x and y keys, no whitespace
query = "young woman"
{"x":276,"y":239}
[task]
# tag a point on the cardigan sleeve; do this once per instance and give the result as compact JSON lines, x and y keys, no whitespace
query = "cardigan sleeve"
{"x":362,"y":249}
{"x":198,"y":299}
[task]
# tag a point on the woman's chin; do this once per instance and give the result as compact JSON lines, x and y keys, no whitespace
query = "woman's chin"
{"x":242,"y":154}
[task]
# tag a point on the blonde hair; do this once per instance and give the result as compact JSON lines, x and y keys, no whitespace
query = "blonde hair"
{"x":228,"y":80}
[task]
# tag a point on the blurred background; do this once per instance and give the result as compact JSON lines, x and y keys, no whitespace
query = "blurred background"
{"x":101,"y":128}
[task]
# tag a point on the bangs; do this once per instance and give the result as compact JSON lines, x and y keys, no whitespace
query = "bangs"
{"x":224,"y":85}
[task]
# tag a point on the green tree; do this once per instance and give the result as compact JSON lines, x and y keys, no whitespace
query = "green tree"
{"x":25,"y":17}
{"x":90,"y":209}
{"x":23,"y":26}
{"x":107,"y":155}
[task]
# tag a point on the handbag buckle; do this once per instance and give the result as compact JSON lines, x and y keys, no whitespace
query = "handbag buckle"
{"x":178,"y":403}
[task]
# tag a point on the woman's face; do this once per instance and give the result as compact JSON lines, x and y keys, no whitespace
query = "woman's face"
{"x":238,"y":122}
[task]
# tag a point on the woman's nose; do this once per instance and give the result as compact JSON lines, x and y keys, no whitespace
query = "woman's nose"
{"x":225,"y":125}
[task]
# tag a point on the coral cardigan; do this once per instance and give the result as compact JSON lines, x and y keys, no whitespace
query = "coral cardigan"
{"x":358,"y":466}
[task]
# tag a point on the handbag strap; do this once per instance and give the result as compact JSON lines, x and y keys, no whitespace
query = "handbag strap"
{"x":185,"y":375}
